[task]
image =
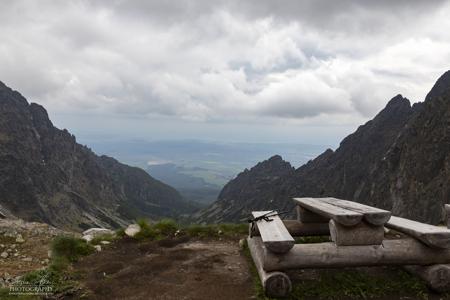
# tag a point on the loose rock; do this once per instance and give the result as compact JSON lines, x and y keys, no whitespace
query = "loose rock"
{"x":132,"y":230}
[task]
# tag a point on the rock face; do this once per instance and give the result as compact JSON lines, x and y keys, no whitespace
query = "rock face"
{"x":237,"y":198}
{"x":46,"y":176}
{"x":399,"y":161}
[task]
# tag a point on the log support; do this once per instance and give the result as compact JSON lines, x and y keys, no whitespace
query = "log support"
{"x":437,"y":277}
{"x":275,"y":284}
{"x":328,"y":255}
{"x":361,"y":234}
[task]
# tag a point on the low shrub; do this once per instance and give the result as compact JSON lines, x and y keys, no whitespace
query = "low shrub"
{"x":147,"y":231}
{"x":166,"y":227}
{"x":70,"y":248}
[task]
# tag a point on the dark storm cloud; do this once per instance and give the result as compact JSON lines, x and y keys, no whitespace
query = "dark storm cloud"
{"x":300,"y":61}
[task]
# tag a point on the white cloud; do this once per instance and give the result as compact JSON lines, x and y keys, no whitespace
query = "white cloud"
{"x":301,"y":62}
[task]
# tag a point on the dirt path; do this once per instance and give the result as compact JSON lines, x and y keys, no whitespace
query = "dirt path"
{"x":170,"y":269}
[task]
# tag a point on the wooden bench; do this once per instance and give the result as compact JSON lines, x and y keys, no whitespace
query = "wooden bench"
{"x":434,"y":236}
{"x":357,"y":235}
{"x":273,"y":233}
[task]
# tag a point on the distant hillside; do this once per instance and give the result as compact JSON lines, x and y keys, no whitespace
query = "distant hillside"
{"x":400,"y":161}
{"x":192,"y":188}
{"x":45,"y":175}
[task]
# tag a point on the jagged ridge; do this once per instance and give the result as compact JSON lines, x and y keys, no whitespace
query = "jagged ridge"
{"x":46,"y":176}
{"x":400,"y":161}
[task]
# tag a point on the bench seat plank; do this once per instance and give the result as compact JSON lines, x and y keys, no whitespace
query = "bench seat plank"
{"x":341,"y":215}
{"x":372,"y":215}
{"x":274,"y":234}
{"x":434,"y":236}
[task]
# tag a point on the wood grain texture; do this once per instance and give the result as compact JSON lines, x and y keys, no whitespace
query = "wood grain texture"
{"x":275,"y":284}
{"x":328,"y":255}
{"x":433,"y":236}
{"x":274,"y":234}
{"x":361,"y":234}
{"x":341,"y":215}
{"x":372,"y":215}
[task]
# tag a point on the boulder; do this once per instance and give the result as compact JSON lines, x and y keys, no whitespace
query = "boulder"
{"x":95,"y":232}
{"x":132,"y":230}
{"x":88,"y":237}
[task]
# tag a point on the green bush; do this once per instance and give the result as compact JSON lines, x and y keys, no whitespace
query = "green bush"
{"x":166,"y":227}
{"x":70,"y":248}
{"x":120,"y":232}
{"x":147,"y":232}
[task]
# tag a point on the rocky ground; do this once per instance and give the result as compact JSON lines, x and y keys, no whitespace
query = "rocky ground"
{"x":24,"y":247}
{"x":178,"y":268}
{"x":183,"y":266}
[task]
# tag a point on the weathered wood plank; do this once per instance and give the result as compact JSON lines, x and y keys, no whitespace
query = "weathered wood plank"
{"x":434,"y":236}
{"x":372,"y":215}
{"x":437,"y":277}
{"x":327,"y":255}
{"x":274,"y":234}
{"x":447,"y":213}
{"x":275,"y":284}
{"x":361,"y":234}
{"x":341,"y":215}
{"x":306,"y":216}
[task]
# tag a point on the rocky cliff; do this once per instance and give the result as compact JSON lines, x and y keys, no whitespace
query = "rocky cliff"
{"x":400,"y":161}
{"x":46,"y":176}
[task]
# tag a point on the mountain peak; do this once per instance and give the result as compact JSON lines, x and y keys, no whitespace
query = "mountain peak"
{"x":442,"y":85}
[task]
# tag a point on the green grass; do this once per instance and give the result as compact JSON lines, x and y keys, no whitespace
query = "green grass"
{"x":104,"y":237}
{"x":216,"y":230}
{"x":257,"y":286}
{"x":353,"y":284}
{"x":168,"y":228}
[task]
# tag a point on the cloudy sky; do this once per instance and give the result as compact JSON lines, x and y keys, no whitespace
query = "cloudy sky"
{"x":263,"y":70}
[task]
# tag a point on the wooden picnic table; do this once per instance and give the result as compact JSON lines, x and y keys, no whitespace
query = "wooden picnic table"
{"x":357,"y":234}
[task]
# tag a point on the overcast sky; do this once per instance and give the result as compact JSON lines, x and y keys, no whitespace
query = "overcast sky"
{"x":296,"y":71}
